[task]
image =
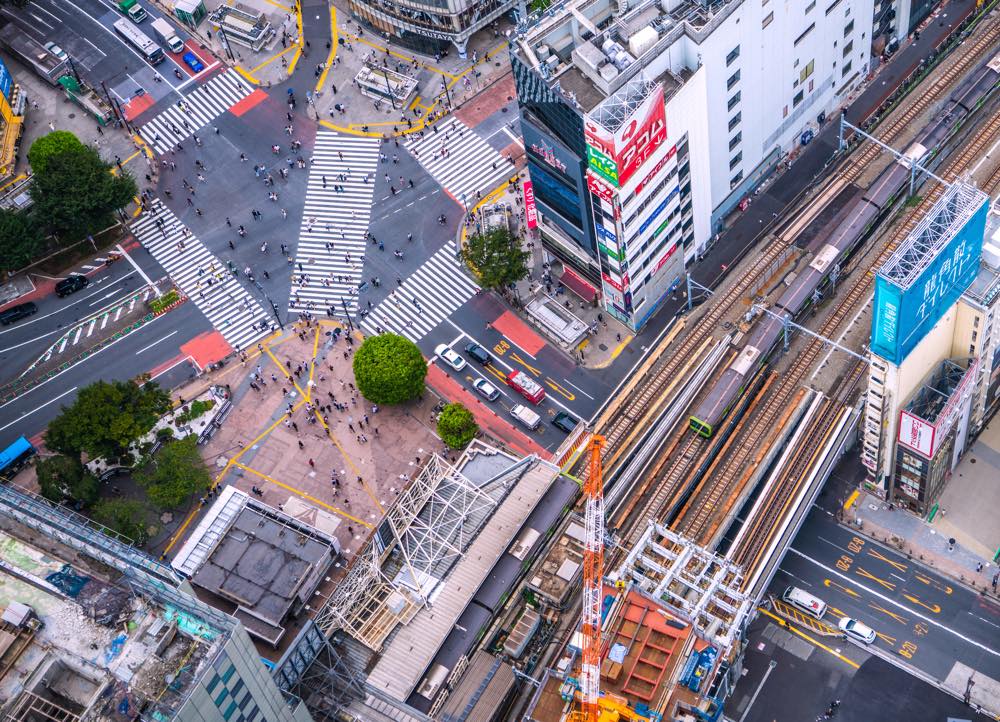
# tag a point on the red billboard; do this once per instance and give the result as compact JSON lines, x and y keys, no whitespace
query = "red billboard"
{"x":530,"y":212}
{"x":600,"y":189}
{"x":623,"y":152}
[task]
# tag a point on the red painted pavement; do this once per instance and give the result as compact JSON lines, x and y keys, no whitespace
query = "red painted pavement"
{"x":137,"y":105}
{"x":206,"y":348}
{"x":251,"y":101}
{"x":203,"y":55}
{"x":485,"y":416}
{"x":519,"y":333}
{"x":166,"y":365}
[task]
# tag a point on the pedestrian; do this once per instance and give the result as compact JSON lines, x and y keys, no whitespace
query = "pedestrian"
{"x":312,"y":463}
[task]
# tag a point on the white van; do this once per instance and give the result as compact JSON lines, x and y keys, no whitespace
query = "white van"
{"x":805,"y":602}
{"x":526,"y":416}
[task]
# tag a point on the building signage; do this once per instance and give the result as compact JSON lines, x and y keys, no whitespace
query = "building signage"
{"x":530,"y":210}
{"x":599,"y":189}
{"x":549,"y":156}
{"x":656,"y":170}
{"x":902,"y":317}
{"x":666,"y":257}
{"x":6,"y":81}
{"x":612,"y":282}
{"x":916,"y":434}
{"x":610,"y":253}
{"x":632,"y":144}
{"x":659,"y":209}
{"x":607,"y":236}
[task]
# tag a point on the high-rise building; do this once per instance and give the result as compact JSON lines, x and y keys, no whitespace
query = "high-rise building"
{"x":644,"y":126}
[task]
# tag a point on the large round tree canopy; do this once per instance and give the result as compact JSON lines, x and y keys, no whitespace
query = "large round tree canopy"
{"x":389,"y":369}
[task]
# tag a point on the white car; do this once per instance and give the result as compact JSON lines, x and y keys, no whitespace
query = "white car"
{"x":487,"y":390}
{"x":450,"y":357}
{"x":856,"y":630}
{"x":56,"y":50}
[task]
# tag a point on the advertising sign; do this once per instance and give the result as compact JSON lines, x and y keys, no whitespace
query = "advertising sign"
{"x":6,"y":81}
{"x":656,"y":170}
{"x":612,"y":282}
{"x":607,"y":236}
{"x":666,"y":257}
{"x":530,"y":211}
{"x":916,"y":434}
{"x":617,"y":156}
{"x":599,"y":189}
{"x":902,"y":317}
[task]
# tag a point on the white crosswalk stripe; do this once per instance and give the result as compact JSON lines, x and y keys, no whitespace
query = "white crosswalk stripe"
{"x":330,"y":255}
{"x":439,"y":286}
{"x":201,"y":107}
{"x":203,"y":278}
{"x":468,"y":164}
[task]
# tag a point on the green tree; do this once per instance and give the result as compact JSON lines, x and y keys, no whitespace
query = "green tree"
{"x":175,"y":473}
{"x":107,"y":417}
{"x":20,"y":240}
{"x":64,"y":479}
{"x":52,"y":144}
{"x":456,"y":426}
{"x":497,"y":258}
{"x":123,"y":516}
{"x":75,"y":193}
{"x":389,"y":369}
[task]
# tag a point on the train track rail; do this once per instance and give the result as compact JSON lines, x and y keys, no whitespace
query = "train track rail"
{"x":749,"y":551}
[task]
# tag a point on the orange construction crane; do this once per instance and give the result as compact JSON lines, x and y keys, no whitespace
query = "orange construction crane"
{"x":593,"y":573}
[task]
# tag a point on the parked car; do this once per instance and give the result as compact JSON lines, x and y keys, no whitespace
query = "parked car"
{"x":71,"y":284}
{"x":856,"y":630}
{"x":192,"y":61}
{"x":486,"y":389}
{"x":450,"y":357}
{"x":564,"y":422}
{"x":56,"y":50}
{"x":16,"y":313}
{"x":478,"y":354}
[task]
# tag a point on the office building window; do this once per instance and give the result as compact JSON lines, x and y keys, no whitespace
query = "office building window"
{"x":804,"y":34}
{"x":810,"y":7}
{"x":849,"y":28}
{"x":735,"y":181}
{"x":734,"y":100}
{"x":767,"y":20}
{"x":830,"y":8}
{"x":733,"y":54}
{"x":807,"y":71}
{"x":735,"y":120}
{"x":735,"y":160}
{"x":848,"y":48}
{"x":735,"y":140}
{"x":798,"y":98}
{"x":846,"y":70}
{"x":733,"y":80}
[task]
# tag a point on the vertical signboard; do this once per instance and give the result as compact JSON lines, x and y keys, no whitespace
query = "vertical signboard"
{"x":903,"y":316}
{"x":6,"y":81}
{"x":916,"y":434}
{"x":530,"y":211}
{"x":617,"y":156}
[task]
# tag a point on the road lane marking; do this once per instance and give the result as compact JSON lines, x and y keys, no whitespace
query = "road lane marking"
{"x":37,"y":408}
{"x":795,"y":630}
{"x":141,"y":272}
{"x":893,"y":602}
{"x":146,"y":348}
{"x":881,"y":557}
{"x":891,"y":586}
{"x":579,"y":389}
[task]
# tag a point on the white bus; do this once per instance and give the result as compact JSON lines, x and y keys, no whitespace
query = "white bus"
{"x":140,"y":41}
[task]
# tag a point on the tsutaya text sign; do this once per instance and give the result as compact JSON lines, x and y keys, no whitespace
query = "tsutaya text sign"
{"x":616,"y":156}
{"x":530,"y":211}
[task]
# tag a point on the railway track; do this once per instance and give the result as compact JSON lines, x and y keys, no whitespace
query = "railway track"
{"x":749,"y":551}
{"x":621,"y":424}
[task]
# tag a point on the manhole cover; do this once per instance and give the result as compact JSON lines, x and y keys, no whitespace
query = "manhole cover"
{"x":72,"y":115}
{"x":602,"y":347}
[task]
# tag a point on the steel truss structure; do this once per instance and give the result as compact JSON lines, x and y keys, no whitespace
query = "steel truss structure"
{"x":936,"y":229}
{"x":618,"y":108}
{"x":423,"y":534}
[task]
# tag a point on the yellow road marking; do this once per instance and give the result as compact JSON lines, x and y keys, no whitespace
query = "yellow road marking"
{"x":796,"y":630}
{"x":497,"y":373}
{"x":350,"y":463}
{"x":846,"y":590}
{"x":898,"y":565}
{"x":621,"y":347}
{"x":560,"y":389}
{"x":414,"y":104}
{"x":333,"y":48}
{"x":898,"y":617}
{"x":935,"y":608}
{"x":886,"y":638}
{"x":246,"y":74}
{"x":516,"y":357}
{"x":279,"y":5}
{"x":271,"y":59}
{"x":304,"y":495}
{"x":288,"y":375}
{"x":891,"y":586}
{"x":933,"y":583}
{"x":851,"y":499}
{"x":583,"y":344}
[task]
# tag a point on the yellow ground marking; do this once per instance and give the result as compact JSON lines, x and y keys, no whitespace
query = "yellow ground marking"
{"x":787,"y":611}
{"x":516,"y":357}
{"x":817,"y":643}
{"x":17,"y":179}
{"x":414,"y":104}
{"x":891,"y":641}
{"x":312,"y":366}
{"x":247,"y":75}
{"x":935,"y":608}
{"x":621,"y":347}
{"x":933,"y":583}
{"x":304,"y":495}
{"x":305,"y":396}
{"x":299,"y":45}
{"x":271,"y":59}
{"x":279,"y":5}
{"x":846,"y":590}
{"x":349,"y":130}
{"x":560,"y":389}
{"x":891,"y":586}
{"x":583,"y":344}
{"x":898,"y":617}
{"x":497,"y":373}
{"x":892,"y":562}
{"x":333,"y":48}
{"x":851,"y":499}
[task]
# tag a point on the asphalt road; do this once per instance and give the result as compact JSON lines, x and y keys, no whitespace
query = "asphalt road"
{"x":925,"y":619}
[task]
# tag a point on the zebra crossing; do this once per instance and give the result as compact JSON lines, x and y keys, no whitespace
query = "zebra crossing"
{"x":425,"y":299}
{"x":460,"y":161}
{"x":202,"y":277}
{"x":196,"y":110}
{"x":330,"y":254}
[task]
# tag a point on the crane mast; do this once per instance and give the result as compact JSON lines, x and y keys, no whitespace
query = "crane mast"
{"x":593,"y":573}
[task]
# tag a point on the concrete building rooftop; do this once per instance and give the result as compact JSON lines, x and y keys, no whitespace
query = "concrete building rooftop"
{"x":562,"y":567}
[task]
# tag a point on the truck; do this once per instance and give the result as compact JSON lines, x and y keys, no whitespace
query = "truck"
{"x":132,"y":9}
{"x":165,"y":31}
{"x":526,"y":386}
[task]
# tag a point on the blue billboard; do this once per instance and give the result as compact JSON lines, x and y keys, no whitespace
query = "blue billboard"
{"x":6,"y":81}
{"x":902,"y":317}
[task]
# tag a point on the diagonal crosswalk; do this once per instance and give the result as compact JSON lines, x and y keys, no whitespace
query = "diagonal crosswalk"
{"x":460,"y":160}
{"x":330,"y":254}
{"x":202,"y":277}
{"x":194,"y":111}
{"x":425,"y":299}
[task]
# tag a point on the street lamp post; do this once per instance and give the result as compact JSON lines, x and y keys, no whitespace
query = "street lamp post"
{"x":447,"y":94}
{"x":347,"y":314}
{"x":388,"y":87}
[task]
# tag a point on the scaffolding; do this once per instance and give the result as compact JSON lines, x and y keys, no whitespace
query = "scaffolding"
{"x":613,"y":113}
{"x":957,"y":205}
{"x":423,"y":534}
